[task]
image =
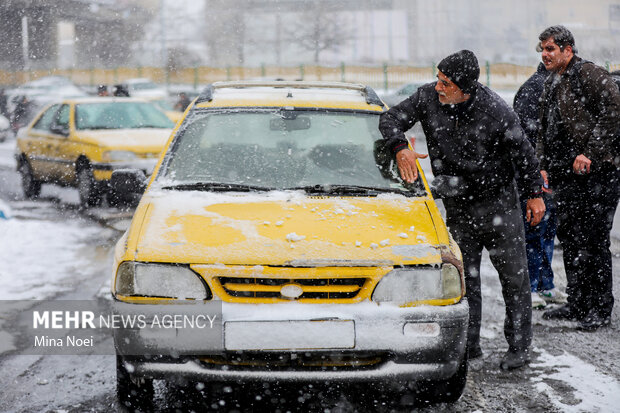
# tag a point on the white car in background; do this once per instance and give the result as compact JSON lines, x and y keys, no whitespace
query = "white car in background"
{"x":44,"y":90}
{"x":145,"y":88}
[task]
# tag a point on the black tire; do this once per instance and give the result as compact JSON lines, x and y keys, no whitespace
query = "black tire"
{"x":443,"y":391}
{"x":88,"y":189}
{"x":30,"y":185}
{"x":134,"y":393}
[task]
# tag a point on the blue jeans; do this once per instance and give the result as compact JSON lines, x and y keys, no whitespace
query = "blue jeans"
{"x":539,"y":247}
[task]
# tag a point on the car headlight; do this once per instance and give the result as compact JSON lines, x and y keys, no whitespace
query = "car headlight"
{"x":116,"y":156}
{"x":159,"y":280}
{"x":409,"y":285}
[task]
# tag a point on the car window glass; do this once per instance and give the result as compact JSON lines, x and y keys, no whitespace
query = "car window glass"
{"x":120,"y":115}
{"x":45,"y":120}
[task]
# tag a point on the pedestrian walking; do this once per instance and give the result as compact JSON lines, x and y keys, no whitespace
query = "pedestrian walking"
{"x":578,"y":152}
{"x":102,"y":90}
{"x":539,"y":239}
{"x":476,"y":145}
{"x":20,"y":114}
{"x":182,"y":103}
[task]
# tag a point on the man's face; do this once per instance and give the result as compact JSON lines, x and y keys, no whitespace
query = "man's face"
{"x":448,"y":92}
{"x":554,"y":59}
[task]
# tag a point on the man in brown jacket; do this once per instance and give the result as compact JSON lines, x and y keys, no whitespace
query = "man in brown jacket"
{"x":577,"y":148}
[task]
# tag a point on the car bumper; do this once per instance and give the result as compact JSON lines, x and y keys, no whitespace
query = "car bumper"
{"x":103,"y":171}
{"x":425,"y":342}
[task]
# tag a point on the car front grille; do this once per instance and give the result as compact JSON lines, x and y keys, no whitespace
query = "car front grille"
{"x":315,"y":289}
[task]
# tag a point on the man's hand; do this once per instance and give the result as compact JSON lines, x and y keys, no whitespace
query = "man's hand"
{"x":545,"y":178}
{"x":535,"y":210}
{"x":581,"y":165}
{"x":405,"y":159}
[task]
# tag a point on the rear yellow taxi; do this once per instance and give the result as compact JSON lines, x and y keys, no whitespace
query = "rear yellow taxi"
{"x":279,"y":202}
{"x":79,"y":142}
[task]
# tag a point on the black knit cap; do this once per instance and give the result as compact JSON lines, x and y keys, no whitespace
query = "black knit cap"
{"x":461,"y":68}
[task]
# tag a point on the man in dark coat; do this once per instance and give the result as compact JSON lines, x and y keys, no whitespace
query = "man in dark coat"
{"x":578,"y":152}
{"x":475,"y":143}
{"x":539,"y":239}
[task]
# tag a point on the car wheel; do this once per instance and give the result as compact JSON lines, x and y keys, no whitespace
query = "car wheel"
{"x":135,"y":393}
{"x":90,"y":194}
{"x":30,"y":185}
{"x":443,"y":391}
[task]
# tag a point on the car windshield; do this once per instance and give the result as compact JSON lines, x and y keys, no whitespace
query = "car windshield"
{"x":120,"y":115}
{"x":320,"y":151}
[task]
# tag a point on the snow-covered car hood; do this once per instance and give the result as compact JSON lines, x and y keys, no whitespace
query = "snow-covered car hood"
{"x":147,"y":139}
{"x":284,"y":229}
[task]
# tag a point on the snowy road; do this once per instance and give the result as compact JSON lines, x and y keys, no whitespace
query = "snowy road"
{"x":50,"y":250}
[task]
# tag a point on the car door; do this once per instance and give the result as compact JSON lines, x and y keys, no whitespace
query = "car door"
{"x":38,"y":146}
{"x":64,"y":165}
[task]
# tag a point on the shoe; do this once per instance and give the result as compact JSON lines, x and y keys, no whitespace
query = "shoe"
{"x":514,"y":359}
{"x":474,"y":352}
{"x":537,"y":301}
{"x":553,"y":296}
{"x":593,"y":321}
{"x":566,"y":312}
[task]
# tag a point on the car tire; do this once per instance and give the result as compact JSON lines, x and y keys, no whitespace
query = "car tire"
{"x":443,"y":391}
{"x":30,"y":185}
{"x":89,"y":191}
{"x":134,"y":393}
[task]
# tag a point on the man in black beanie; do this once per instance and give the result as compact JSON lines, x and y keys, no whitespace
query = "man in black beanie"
{"x":476,"y":145}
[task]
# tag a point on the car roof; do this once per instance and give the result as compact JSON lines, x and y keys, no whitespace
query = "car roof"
{"x":101,"y":99}
{"x":290,"y":93}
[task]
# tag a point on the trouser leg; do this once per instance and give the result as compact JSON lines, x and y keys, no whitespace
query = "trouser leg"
{"x":602,"y":203}
{"x":548,"y":240}
{"x":506,"y":245}
{"x":571,"y":233}
{"x":534,"y":249}
{"x":471,"y":248}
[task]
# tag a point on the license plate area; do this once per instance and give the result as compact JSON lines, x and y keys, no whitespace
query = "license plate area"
{"x":289,"y":335}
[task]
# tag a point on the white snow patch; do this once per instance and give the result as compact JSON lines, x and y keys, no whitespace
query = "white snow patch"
{"x":39,"y":256}
{"x":293,"y":237}
{"x":596,"y":391}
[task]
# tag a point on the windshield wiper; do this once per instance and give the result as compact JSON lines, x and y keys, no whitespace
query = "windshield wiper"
{"x":217,"y":186}
{"x":347,"y":190}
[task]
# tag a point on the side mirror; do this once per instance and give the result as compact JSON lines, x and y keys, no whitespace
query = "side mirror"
{"x":128,"y":185}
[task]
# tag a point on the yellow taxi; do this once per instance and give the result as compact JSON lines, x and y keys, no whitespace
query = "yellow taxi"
{"x":277,"y":204}
{"x":79,"y":142}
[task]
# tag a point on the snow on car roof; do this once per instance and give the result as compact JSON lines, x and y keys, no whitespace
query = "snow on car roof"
{"x":288,"y":93}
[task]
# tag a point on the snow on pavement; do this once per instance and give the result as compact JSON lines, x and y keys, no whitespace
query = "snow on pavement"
{"x":39,"y":257}
{"x":592,"y":391}
{"x":7,"y":150}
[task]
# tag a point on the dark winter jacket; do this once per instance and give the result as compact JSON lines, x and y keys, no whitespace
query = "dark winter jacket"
{"x":527,"y":103}
{"x":480,"y":141}
{"x":580,"y":114}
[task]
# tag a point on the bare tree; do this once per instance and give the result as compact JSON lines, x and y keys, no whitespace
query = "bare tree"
{"x":321,"y":29}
